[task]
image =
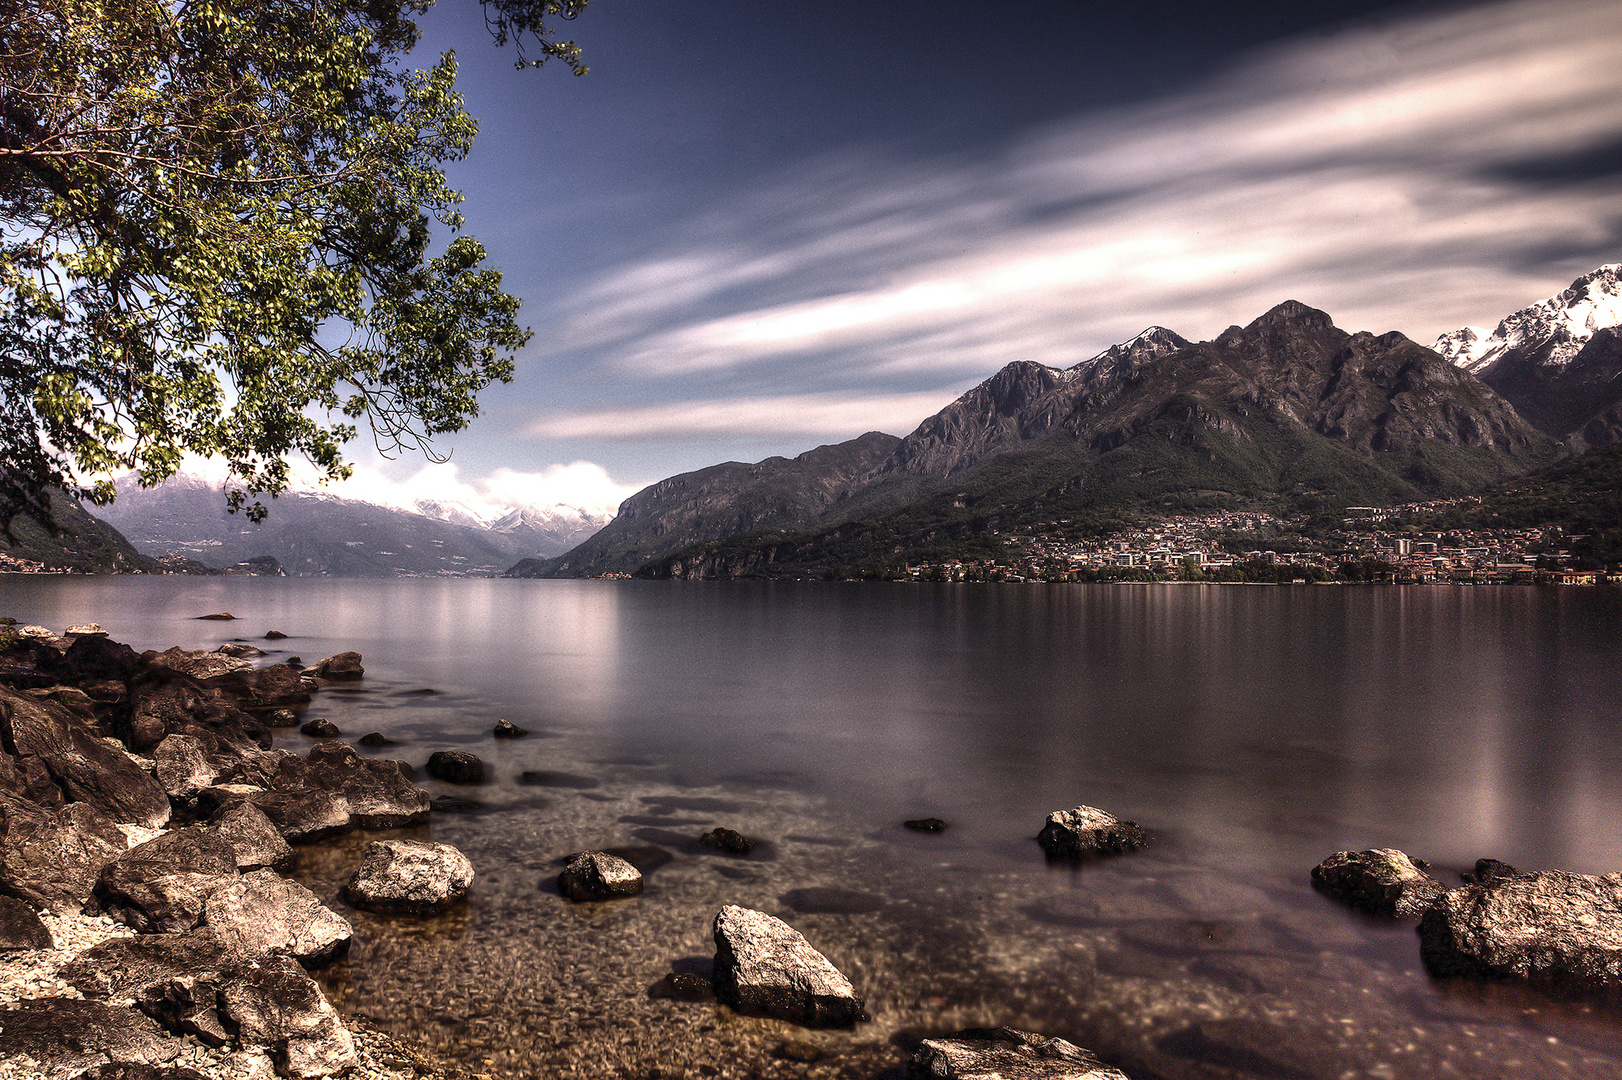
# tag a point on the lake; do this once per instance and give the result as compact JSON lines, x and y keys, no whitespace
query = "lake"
{"x":1252,"y":730}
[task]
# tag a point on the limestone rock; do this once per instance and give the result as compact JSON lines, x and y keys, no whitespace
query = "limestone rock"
{"x":275,"y":1004}
{"x":763,"y":965}
{"x":54,"y":855}
{"x":182,"y":768}
{"x":1549,"y":928}
{"x":161,"y":886}
{"x":20,"y":927}
{"x":506,"y":729}
{"x":408,"y":876}
{"x":198,"y":663}
{"x":301,"y":817}
{"x":597,"y":875}
{"x":253,"y":838}
{"x":131,"y":967}
{"x":320,"y":728}
{"x":344,"y":667}
{"x":1383,"y":881}
{"x":262,"y":688}
{"x":1087,"y":830}
{"x":1005,"y":1054}
{"x":378,"y":793}
{"x":456,"y":767}
{"x":240,"y":650}
{"x":67,"y":1035}
{"x":262,"y":913}
{"x":85,"y":630}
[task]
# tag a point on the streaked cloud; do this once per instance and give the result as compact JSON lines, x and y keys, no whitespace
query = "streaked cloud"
{"x":1370,"y":173}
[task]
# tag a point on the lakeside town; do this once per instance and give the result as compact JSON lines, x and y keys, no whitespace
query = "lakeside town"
{"x":1373,"y":544}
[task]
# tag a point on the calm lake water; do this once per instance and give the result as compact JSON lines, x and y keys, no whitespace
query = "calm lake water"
{"x":1252,"y":730}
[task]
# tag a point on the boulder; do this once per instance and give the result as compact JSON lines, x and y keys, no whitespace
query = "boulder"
{"x":161,"y":886}
{"x":219,"y":616}
{"x":54,"y":854}
{"x":302,"y":817}
{"x":1488,"y":870}
{"x":261,"y":688}
{"x":67,"y":1036}
{"x":455,"y":767}
{"x":320,"y":728}
{"x":182,"y":768}
{"x":128,"y":968}
{"x":254,"y":839}
{"x":375,"y":738}
{"x":20,"y":927}
{"x":280,"y":717}
{"x":262,"y":913}
{"x":240,"y":649}
{"x":274,"y":635}
{"x":164,"y":701}
{"x":597,"y":875}
{"x":410,"y":877}
{"x":198,"y":663}
{"x":86,"y":767}
{"x":1005,"y":1054}
{"x":27,"y":778}
{"x":378,"y":793}
{"x":1549,"y":928}
{"x":343,"y":667}
{"x":763,"y":965}
{"x":275,"y":1004}
{"x":506,"y":729}
{"x":733,"y":843}
{"x":1383,"y":881}
{"x":1087,"y":830}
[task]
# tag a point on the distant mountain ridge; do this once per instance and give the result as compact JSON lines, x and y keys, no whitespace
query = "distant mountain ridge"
{"x":1288,"y":407}
{"x":1559,"y":362}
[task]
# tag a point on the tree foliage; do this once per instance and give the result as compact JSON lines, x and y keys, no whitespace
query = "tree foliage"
{"x":217,"y":226}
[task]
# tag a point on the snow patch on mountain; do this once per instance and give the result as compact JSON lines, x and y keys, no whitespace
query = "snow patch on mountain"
{"x":1563,"y":324}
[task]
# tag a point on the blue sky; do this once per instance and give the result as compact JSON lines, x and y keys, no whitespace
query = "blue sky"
{"x":758,"y":226}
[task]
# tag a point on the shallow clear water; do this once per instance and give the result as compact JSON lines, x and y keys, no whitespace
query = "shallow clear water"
{"x":1252,"y":730}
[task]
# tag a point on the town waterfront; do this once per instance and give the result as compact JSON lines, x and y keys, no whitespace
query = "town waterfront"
{"x":1251,"y":730}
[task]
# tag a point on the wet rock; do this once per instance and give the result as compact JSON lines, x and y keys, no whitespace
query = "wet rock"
{"x":239,"y":650}
{"x":198,"y":663}
{"x":161,"y":886}
{"x":455,"y":767}
{"x":408,"y":876}
{"x":375,"y":738}
{"x":222,"y":616}
{"x":931,"y":825}
{"x":67,"y":1036}
{"x":596,"y":875}
{"x":344,"y":667}
{"x":378,"y":793}
{"x":282,"y":718}
{"x":86,"y":767}
{"x":763,"y":965}
{"x":262,"y":913}
{"x":274,"y":635}
{"x":450,"y":804}
{"x":1489,"y":870}
{"x":1005,"y":1054}
{"x":541,"y":778}
{"x":320,"y":728}
{"x":302,"y":817}
{"x":1383,"y":881}
{"x":54,"y":855}
{"x":1085,"y":831}
{"x":254,"y":839}
{"x":181,"y":767}
{"x":683,"y":986}
{"x":20,"y":927}
{"x":818,"y":899}
{"x":1549,"y":928}
{"x":261,"y":688}
{"x":733,"y":843}
{"x":506,"y":729}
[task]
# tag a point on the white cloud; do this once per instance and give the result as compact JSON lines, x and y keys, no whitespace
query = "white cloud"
{"x":1363,"y":174}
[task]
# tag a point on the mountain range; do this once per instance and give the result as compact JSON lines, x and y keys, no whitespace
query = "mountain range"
{"x":1289,"y":411}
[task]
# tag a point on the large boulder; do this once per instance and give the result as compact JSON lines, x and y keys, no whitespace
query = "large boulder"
{"x":164,"y":701}
{"x":276,"y":686}
{"x":456,"y":767}
{"x":252,"y":836}
{"x":161,"y":886}
{"x":275,"y":1004}
{"x":763,"y":965}
{"x":198,"y":663}
{"x":86,"y":767}
{"x":129,"y":968}
{"x":302,"y":817}
{"x":1549,"y":928}
{"x":182,"y":768}
{"x":54,"y":854}
{"x":378,"y":793}
{"x":409,"y":876}
{"x":343,"y":667}
{"x":1383,"y":881}
{"x":1086,"y":831}
{"x":597,"y":875}
{"x":67,"y":1036}
{"x":1005,"y":1054}
{"x":263,"y":913}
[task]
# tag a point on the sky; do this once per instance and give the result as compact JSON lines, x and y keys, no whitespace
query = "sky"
{"x":760,"y":226}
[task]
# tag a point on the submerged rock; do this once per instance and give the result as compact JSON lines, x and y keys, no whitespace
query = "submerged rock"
{"x":344,"y":667}
{"x":763,"y":965}
{"x":1005,"y":1054}
{"x":1549,"y":928}
{"x":408,"y":876}
{"x":733,"y":843}
{"x":1087,"y":830}
{"x":1383,"y":881}
{"x":597,"y":875}
{"x":506,"y":729}
{"x":456,"y":767}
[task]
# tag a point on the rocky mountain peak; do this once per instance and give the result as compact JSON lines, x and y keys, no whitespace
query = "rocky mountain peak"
{"x":1295,"y":314}
{"x":1556,"y":328}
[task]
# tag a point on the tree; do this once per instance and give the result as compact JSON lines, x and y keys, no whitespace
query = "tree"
{"x":216,"y":219}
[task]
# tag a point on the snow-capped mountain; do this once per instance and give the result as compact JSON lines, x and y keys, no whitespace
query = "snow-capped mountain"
{"x":1559,"y":361}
